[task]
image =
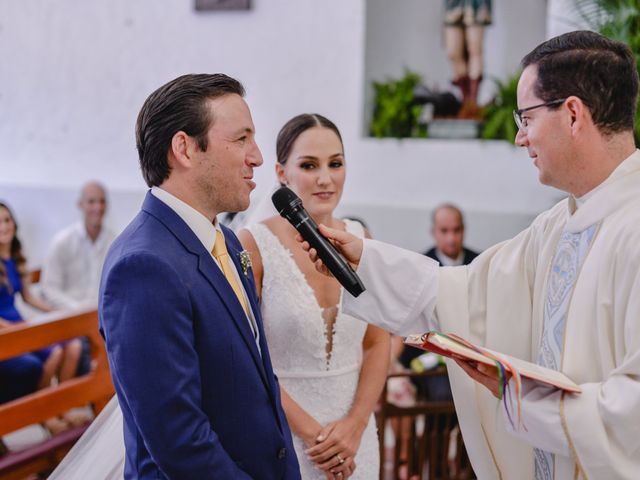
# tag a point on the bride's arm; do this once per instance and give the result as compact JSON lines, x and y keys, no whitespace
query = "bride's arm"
{"x":343,"y":436}
{"x":302,"y":424}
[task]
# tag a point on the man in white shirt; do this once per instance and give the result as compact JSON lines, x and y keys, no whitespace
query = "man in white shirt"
{"x":564,"y":293}
{"x":71,"y":273}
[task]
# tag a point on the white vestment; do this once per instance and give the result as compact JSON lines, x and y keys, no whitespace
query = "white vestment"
{"x":497,"y":301}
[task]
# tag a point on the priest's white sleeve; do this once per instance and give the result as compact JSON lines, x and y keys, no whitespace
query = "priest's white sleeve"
{"x":401,"y":289}
{"x":541,"y":423}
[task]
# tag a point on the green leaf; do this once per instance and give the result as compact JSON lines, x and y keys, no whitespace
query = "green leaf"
{"x":394,"y":112}
{"x":498,"y":115}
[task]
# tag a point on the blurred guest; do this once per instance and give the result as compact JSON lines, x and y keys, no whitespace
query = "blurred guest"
{"x":447,"y":229}
{"x":71,"y":273}
{"x":26,"y":373}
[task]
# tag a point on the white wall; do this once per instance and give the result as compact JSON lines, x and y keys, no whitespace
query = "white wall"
{"x":563,"y":17}
{"x":79,"y":72}
{"x":75,"y":73}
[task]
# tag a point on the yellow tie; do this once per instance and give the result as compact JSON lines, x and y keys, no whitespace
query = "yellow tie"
{"x":220,"y":253}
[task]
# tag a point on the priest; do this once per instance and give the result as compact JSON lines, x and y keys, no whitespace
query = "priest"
{"x":564,"y":293}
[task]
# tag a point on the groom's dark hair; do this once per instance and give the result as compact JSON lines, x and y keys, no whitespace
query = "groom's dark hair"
{"x":180,"y":105}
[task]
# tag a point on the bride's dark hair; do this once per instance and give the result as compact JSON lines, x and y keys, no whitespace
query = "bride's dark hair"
{"x":295,"y":127}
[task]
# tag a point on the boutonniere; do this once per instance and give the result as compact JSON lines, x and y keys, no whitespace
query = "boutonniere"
{"x":245,"y":261}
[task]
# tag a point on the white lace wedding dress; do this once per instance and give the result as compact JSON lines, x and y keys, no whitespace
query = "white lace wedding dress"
{"x":322,"y":383}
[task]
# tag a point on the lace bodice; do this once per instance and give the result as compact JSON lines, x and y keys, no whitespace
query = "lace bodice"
{"x":296,"y":331}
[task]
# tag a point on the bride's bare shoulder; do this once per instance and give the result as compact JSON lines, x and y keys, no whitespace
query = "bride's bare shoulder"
{"x":276,"y":224}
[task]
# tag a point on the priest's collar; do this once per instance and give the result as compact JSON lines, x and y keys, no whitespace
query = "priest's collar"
{"x":618,"y":188}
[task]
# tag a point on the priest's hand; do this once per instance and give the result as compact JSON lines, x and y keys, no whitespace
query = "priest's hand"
{"x":347,"y":244}
{"x":487,"y":375}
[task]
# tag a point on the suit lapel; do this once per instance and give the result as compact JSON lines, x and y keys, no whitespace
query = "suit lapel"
{"x":216,"y":278}
{"x":253,"y":301}
{"x":249,"y":288}
{"x":213,"y":274}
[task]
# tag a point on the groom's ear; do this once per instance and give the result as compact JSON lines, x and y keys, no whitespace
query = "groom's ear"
{"x":182,"y":150}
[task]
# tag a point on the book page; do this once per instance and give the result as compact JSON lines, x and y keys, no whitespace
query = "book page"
{"x":444,"y":345}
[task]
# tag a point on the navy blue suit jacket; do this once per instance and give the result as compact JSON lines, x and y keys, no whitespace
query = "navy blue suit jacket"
{"x":198,"y":399}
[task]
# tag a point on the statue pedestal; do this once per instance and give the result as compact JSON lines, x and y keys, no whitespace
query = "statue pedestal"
{"x":445,"y":128}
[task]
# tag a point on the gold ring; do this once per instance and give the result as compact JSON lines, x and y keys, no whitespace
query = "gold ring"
{"x":340,"y":459}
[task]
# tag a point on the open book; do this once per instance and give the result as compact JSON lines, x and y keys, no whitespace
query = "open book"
{"x":451,"y":345}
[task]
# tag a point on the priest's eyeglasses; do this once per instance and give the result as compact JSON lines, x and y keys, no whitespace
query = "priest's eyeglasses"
{"x":522,"y":122}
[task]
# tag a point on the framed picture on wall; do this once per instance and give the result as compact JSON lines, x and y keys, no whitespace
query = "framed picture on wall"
{"x":203,"y":5}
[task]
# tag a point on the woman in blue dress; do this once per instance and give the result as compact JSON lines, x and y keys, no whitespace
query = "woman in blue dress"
{"x":29,"y":372}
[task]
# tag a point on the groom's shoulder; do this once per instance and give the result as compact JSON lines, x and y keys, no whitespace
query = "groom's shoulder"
{"x":145,"y":236}
{"x":138,"y":234}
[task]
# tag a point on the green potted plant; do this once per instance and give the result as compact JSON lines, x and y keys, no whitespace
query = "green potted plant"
{"x":395,"y":114}
{"x":498,"y":114}
{"x":616,"y":19}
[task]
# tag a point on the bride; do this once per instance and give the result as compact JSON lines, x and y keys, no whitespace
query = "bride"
{"x":331,"y":367}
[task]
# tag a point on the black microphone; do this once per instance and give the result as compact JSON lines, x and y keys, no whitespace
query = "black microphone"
{"x":290,"y":207}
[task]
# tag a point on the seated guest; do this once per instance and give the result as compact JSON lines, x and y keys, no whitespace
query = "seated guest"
{"x":447,"y":229}
{"x":72,"y":269}
{"x":19,"y":376}
{"x":26,"y":373}
{"x":71,"y":273}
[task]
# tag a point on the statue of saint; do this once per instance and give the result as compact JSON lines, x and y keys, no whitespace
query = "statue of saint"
{"x":464,"y":24}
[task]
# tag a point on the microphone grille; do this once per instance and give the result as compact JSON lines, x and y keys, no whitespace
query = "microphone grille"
{"x":284,"y":198}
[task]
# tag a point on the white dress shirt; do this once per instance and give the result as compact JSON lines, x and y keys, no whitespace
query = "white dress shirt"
{"x":71,"y":272}
{"x":447,"y":261}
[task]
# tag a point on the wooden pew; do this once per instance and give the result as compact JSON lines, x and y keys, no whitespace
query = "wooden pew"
{"x":424,"y":433}
{"x":94,"y":388}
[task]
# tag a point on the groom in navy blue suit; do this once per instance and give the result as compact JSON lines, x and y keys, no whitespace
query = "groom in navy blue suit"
{"x":183,"y":330}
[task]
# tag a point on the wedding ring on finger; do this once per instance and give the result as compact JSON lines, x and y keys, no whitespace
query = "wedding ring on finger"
{"x":340,"y":459}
